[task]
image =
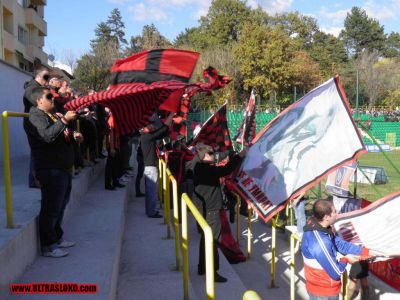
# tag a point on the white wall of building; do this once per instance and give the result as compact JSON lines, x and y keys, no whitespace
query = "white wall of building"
{"x":11,"y":93}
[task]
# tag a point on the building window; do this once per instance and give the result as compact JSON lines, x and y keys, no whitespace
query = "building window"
{"x":22,"y":35}
{"x":23,"y":3}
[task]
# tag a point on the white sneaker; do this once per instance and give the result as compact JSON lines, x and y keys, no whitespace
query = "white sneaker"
{"x":65,"y":244}
{"x":56,"y":253}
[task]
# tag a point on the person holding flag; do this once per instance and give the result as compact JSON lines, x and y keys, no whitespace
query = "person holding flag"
{"x":207,"y":196}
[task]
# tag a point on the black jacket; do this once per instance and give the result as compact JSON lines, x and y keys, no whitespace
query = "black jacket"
{"x":28,"y":100}
{"x":50,"y":149}
{"x":148,"y":143}
{"x":206,"y":178}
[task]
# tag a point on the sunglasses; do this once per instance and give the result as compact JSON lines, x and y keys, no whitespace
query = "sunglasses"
{"x":49,"y":96}
{"x":210,"y":152}
{"x":46,"y":77}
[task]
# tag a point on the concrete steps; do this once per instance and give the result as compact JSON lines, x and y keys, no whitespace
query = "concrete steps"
{"x":19,"y":247}
{"x":96,"y":224}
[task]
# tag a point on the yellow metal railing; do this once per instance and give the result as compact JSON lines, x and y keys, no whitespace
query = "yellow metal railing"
{"x":209,"y":244}
{"x":167,"y":201}
{"x":161,"y":165}
{"x":251,"y":295}
{"x":293,"y":237}
{"x":6,"y":160}
{"x":273,"y":252}
{"x":174,"y":184}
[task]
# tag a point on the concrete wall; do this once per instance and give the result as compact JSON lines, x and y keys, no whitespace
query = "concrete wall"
{"x":11,"y":93}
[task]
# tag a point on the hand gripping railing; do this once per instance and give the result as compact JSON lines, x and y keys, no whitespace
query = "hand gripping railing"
{"x":209,"y":243}
{"x":6,"y":160}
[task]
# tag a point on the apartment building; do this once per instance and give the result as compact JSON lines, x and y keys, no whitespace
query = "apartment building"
{"x":22,"y":33}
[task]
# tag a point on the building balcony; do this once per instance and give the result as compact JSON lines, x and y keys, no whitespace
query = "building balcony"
{"x":39,"y":2}
{"x":8,"y":41}
{"x":9,"y":4}
{"x":34,"y":52}
{"x":32,"y":18}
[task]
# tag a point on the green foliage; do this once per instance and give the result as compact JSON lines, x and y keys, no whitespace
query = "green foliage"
{"x":223,"y":23}
{"x":300,"y":28}
{"x":362,"y":33}
{"x":111,"y":31}
{"x":264,"y":56}
{"x":392,"y":48}
{"x":150,"y":39}
{"x":329,"y":52}
{"x":93,"y":69}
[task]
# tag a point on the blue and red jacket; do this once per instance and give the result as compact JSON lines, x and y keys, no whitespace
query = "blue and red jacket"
{"x":320,"y":247}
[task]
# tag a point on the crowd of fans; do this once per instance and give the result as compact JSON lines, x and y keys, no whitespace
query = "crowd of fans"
{"x":62,"y":143}
{"x":392,"y":115}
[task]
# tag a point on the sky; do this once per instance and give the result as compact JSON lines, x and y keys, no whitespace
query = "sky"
{"x":71,"y":23}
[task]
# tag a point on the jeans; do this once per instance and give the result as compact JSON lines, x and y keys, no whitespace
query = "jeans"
{"x":151,"y":189}
{"x":300,"y":213}
{"x":313,"y":297}
{"x":56,"y":187}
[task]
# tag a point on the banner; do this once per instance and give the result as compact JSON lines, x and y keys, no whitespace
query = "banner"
{"x":337,"y":182}
{"x":247,"y":130}
{"x":309,"y":139}
{"x":376,"y":226}
{"x":215,"y":132}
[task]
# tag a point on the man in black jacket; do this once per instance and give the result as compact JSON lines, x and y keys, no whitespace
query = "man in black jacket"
{"x":207,"y":196}
{"x":148,"y":138}
{"x":49,"y":138}
{"x":41,"y":79}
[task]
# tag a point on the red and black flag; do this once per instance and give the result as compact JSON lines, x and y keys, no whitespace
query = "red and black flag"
{"x":215,"y":132}
{"x":213,"y":82}
{"x":140,"y":84}
{"x":247,"y":130}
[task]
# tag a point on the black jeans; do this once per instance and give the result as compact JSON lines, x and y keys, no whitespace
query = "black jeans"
{"x":56,"y":187}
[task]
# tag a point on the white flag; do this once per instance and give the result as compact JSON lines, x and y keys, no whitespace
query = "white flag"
{"x":298,"y":148}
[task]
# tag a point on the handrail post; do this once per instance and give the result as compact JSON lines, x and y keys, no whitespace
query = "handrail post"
{"x":185,"y":250}
{"x":209,"y":245}
{"x":344,"y":288}
{"x":176,"y":220}
{"x":251,"y":295}
{"x":167,"y":204}
{"x":248,"y":231}
{"x":273,"y":252}
{"x":209,"y":248}
{"x":164,"y":185}
{"x":7,"y":172}
{"x":292,"y":266}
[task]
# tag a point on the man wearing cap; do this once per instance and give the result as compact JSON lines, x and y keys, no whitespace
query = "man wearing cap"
{"x":149,"y":135}
{"x":49,"y":138}
{"x":207,"y":196}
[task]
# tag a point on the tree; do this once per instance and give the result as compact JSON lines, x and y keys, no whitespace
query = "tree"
{"x":93,"y":68}
{"x":223,"y":22}
{"x":70,"y":59}
{"x":362,"y":33}
{"x":329,"y":52}
{"x":111,"y":31}
{"x":151,"y":38}
{"x":264,"y":55}
{"x":392,"y":47}
{"x":299,"y":27}
{"x":305,"y":72}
